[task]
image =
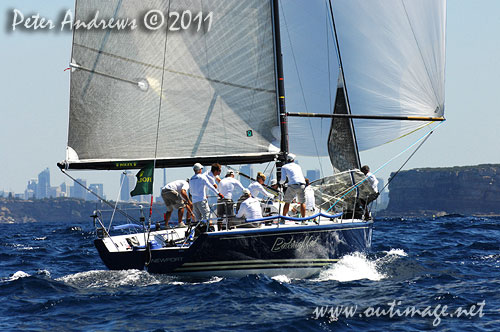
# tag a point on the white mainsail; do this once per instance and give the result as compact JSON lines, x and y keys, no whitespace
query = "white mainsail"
{"x":199,"y":94}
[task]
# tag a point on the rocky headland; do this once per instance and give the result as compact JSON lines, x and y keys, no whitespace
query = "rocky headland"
{"x":468,"y":190}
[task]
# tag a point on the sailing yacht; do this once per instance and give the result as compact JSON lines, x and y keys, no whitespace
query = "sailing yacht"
{"x":216,"y":94}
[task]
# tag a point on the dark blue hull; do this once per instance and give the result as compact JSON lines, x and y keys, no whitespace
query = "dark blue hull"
{"x":294,"y":251}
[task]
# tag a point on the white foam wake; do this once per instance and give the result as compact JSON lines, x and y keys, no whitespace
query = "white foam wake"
{"x":396,"y":252}
{"x":18,"y":275}
{"x":351,"y":267}
{"x":282,"y":279}
{"x":357,"y":266}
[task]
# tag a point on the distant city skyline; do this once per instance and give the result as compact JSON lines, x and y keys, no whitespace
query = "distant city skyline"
{"x":41,"y":187}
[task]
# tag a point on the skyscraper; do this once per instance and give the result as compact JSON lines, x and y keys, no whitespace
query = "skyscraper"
{"x":247,"y":170}
{"x":78,"y":190}
{"x":127,"y":179}
{"x":97,"y":188}
{"x":43,"y":186}
{"x":30,"y":191}
{"x":64,"y":189}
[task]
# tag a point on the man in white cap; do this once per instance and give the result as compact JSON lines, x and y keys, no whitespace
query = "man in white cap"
{"x":250,"y":207}
{"x":198,"y":183}
{"x":227,"y":185}
{"x":296,"y":185}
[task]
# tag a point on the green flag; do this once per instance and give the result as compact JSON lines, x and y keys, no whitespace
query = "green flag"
{"x":144,"y":184}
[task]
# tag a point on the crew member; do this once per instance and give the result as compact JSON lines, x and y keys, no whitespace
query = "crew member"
{"x":175,"y":196}
{"x":213,"y":175}
{"x":198,"y":183}
{"x":310,"y":200}
{"x":225,"y":206}
{"x":250,"y":207}
{"x":372,"y":180}
{"x":296,"y":185}
{"x":256,"y":188}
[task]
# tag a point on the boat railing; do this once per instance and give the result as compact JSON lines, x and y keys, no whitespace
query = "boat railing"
{"x":317,"y":215}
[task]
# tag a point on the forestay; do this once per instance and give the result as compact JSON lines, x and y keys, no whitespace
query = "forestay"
{"x":201,"y":95}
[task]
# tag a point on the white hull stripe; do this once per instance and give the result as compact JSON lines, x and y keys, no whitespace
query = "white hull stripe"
{"x":266,"y":261}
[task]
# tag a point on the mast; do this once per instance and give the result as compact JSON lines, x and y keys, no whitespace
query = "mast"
{"x":281,"y":91}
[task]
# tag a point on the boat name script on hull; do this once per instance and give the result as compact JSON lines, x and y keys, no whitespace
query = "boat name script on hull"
{"x":281,"y":244}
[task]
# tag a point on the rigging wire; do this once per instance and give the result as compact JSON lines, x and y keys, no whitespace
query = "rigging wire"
{"x":116,"y":204}
{"x":407,"y":160}
{"x":157,"y":134}
{"x":126,"y":215}
{"x":327,"y":21}
{"x":424,"y":138}
{"x":301,"y":86}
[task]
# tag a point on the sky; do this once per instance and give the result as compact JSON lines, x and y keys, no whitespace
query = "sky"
{"x":34,"y":93}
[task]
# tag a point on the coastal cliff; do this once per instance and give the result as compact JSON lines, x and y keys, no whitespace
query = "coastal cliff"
{"x":65,"y":210}
{"x":471,"y":190}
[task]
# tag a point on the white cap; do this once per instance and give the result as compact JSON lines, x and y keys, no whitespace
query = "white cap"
{"x":273,"y":182}
{"x":246,"y":191}
{"x":197,"y":167}
{"x":290,"y":156}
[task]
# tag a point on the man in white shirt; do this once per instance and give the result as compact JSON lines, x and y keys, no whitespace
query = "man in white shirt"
{"x":256,"y":188}
{"x":175,"y":196}
{"x":226,"y":187}
{"x":198,"y":183}
{"x":249,"y":208}
{"x":310,"y":199}
{"x":213,"y":175}
{"x":372,"y":180}
{"x":296,"y":185}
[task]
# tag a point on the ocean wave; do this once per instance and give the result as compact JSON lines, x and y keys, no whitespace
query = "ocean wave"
{"x":116,"y":279}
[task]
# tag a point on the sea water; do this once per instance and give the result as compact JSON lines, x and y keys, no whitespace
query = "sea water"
{"x":51,"y":278}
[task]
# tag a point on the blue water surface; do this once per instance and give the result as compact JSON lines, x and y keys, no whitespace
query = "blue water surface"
{"x":52,"y":279}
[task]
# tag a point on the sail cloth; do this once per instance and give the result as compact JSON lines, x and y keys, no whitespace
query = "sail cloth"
{"x":342,"y":146}
{"x":393,"y":57}
{"x":203,"y":95}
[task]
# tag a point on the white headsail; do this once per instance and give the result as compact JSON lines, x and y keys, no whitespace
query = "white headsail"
{"x":393,"y":57}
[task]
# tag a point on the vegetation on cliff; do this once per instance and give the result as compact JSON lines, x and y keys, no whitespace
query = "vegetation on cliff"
{"x":464,"y":190}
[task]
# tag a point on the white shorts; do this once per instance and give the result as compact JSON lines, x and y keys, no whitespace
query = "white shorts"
{"x":295,"y":190}
{"x":201,"y":210}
